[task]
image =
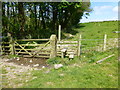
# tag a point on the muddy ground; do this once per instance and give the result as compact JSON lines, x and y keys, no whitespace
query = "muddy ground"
{"x":32,"y":62}
{"x":17,"y":71}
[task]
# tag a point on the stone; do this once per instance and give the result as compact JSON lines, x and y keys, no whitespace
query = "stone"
{"x":57,"y":66}
{"x":71,"y":56}
{"x":28,"y":65}
{"x":47,"y":71}
{"x":61,"y":74}
{"x":18,"y":59}
{"x":36,"y":65}
{"x":64,"y":50}
{"x":7,"y":60}
{"x":43,"y":66}
{"x":30,"y":61}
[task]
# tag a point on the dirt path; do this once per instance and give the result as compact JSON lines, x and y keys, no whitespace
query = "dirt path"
{"x":17,"y":72}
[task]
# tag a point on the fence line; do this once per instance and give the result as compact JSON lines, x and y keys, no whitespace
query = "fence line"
{"x":54,"y":47}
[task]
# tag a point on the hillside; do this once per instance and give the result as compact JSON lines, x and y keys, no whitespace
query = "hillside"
{"x":82,"y":72}
{"x":96,"y":30}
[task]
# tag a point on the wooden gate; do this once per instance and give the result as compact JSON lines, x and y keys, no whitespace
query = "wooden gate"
{"x":44,"y":48}
{"x":32,"y":48}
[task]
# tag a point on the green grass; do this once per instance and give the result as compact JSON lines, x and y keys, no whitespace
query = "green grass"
{"x":96,"y":30}
{"x":84,"y":75}
{"x":82,"y":72}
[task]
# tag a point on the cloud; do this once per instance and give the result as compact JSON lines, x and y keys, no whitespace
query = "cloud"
{"x":116,"y":9}
{"x":102,"y":7}
{"x":103,"y":13}
{"x":104,"y":0}
{"x":100,"y":10}
{"x":100,"y":20}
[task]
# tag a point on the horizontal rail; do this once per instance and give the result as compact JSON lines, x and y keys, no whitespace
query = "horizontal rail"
{"x":67,"y":50}
{"x":33,"y":50}
{"x":28,"y":53}
{"x":66,"y":45}
{"x":29,"y":45}
{"x":33,"y":40}
{"x":6,"y":46}
{"x":67,"y":42}
{"x":66,"y":54}
{"x":92,"y":39}
{"x":37,"y":56}
{"x":5,"y":42}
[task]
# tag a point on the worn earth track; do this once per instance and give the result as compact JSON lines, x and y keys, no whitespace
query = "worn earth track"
{"x":14,"y":74}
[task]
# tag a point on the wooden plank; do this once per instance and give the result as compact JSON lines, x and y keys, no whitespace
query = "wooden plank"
{"x":28,"y":53}
{"x":105,"y":58}
{"x":66,"y":45}
{"x":23,"y":48}
{"x":33,"y":40}
{"x":67,"y":42}
{"x":6,"y":50}
{"x":41,"y":49}
{"x":29,"y":45}
{"x":33,"y":50}
{"x":68,"y":51}
{"x":5,"y":46}
{"x":37,"y":56}
{"x":66,"y":54}
{"x":5,"y":42}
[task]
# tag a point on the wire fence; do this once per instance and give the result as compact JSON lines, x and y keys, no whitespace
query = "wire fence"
{"x":88,"y":45}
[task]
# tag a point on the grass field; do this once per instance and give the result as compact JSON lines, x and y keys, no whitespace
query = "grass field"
{"x":83,"y":72}
{"x":80,"y":72}
{"x":97,"y":30}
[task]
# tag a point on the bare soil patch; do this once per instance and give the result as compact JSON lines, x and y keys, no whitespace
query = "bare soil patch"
{"x":32,"y":62}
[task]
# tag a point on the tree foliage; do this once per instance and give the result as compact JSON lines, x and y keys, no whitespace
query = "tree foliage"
{"x":40,"y":19}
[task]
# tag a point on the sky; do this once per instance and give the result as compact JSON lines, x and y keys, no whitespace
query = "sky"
{"x":102,"y":11}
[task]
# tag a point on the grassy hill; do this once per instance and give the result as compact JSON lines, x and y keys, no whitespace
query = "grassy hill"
{"x":96,"y":30}
{"x":81,"y":72}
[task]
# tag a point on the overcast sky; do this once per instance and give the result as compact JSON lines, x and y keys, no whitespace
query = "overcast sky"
{"x":102,"y":11}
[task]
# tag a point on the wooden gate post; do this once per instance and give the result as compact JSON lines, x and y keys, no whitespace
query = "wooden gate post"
{"x":12,"y":49}
{"x":104,"y":46}
{"x":59,"y":33}
{"x":53,"y":43}
{"x":79,"y":45}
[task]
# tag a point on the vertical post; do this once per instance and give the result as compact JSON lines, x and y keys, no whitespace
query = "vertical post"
{"x":59,"y":33}
{"x":53,"y":43}
{"x":104,"y":46}
{"x":62,"y":54}
{"x":79,"y":45}
{"x":12,"y":45}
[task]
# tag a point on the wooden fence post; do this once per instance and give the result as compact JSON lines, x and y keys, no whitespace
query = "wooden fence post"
{"x":79,"y":45}
{"x":104,"y":46}
{"x":53,"y":43}
{"x":12,"y":49}
{"x":59,"y":33}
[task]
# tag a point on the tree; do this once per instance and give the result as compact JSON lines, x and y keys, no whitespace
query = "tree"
{"x":39,"y":20}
